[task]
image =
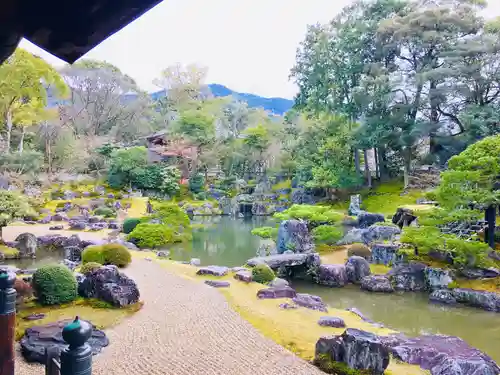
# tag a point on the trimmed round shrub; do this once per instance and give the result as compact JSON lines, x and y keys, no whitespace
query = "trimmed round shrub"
{"x":360,"y":250}
{"x":105,"y":211}
{"x":262,"y":274}
{"x":116,"y":254}
{"x":89,"y":267}
{"x":327,"y":234}
{"x":54,"y":285}
{"x":147,"y":235}
{"x":92,"y":254}
{"x":130,"y":224}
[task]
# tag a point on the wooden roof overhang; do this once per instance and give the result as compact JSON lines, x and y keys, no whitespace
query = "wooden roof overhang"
{"x":66,"y":29}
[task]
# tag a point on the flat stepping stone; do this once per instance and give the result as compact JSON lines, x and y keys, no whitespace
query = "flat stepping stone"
{"x":38,"y":339}
{"x":310,"y":302}
{"x":245,"y":276}
{"x":213,"y":270}
{"x":217,"y":283}
{"x":331,"y":321}
{"x":288,"y":306}
{"x":271,"y":293}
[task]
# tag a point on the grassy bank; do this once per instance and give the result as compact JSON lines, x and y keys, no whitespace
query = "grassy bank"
{"x":297,"y":330}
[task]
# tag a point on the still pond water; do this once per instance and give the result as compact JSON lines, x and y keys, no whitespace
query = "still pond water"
{"x":228,"y":242}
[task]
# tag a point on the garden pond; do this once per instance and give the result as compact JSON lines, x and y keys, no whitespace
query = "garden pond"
{"x":228,"y":242}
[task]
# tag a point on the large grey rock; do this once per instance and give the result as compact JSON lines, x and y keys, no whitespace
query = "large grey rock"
{"x":356,"y":269}
{"x":369,"y":235}
{"x":477,"y":298}
{"x":437,"y":278}
{"x":286,"y":260}
{"x":480,"y":273}
{"x":383,"y":253}
{"x":359,"y":350}
{"x":444,"y":296}
{"x":294,"y":235}
{"x":377,"y":283}
{"x":262,"y":208}
{"x":301,"y":196}
{"x":73,"y":253}
{"x":272,"y":293}
{"x":38,"y":339}
{"x":333,"y":275}
{"x":310,"y":302}
{"x":213,"y":271}
{"x":367,"y":219}
{"x":60,"y":216}
{"x":77,"y":225}
{"x":441,"y":355}
{"x":110,"y":285}
{"x":409,"y":278}
{"x":27,"y":244}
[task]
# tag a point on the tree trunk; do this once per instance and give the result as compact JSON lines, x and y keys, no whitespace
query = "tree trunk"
{"x":21,"y":142}
{"x":48,"y":150}
{"x":368,"y":174}
{"x":382,"y":160}
{"x":356,"y":162}
{"x":9,"y":129}
{"x":490,"y":218}
{"x":377,"y":169}
{"x":407,"y":164}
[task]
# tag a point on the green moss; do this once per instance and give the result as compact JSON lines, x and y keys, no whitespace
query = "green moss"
{"x":89,"y":267}
{"x":9,"y":252}
{"x":100,"y":313}
{"x":325,"y":363}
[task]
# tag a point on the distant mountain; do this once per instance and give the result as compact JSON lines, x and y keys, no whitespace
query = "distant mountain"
{"x":275,"y":105}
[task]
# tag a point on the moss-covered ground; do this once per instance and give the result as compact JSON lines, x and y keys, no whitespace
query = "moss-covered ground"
{"x":101,"y":314}
{"x":297,"y":330}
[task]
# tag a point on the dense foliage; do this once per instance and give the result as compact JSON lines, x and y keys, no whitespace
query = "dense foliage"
{"x":151,"y":236}
{"x":129,"y":224}
{"x":327,"y":234}
{"x":265,"y":232}
{"x":13,"y":206}
{"x":54,"y":285}
{"x":107,"y":254}
{"x":314,"y":214}
{"x":262,"y":274}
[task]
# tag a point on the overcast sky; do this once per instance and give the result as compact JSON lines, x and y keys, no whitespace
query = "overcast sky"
{"x":247,"y":45}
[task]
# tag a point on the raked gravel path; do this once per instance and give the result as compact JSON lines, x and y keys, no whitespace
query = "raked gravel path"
{"x":186,"y":328}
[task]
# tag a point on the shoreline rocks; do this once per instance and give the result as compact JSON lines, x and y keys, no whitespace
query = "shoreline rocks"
{"x":377,"y":284}
{"x":489,"y":301}
{"x":356,"y":269}
{"x":310,"y":302}
{"x":442,"y":355}
{"x":332,"y":275}
{"x":213,"y":271}
{"x":294,"y":235}
{"x":359,"y":350}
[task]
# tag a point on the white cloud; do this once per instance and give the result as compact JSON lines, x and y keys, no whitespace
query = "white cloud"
{"x":248,"y":45}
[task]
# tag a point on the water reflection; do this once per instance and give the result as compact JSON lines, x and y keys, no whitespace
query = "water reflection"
{"x":222,"y":241}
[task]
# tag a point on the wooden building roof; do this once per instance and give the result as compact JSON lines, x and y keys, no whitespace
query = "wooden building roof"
{"x":66,"y":29}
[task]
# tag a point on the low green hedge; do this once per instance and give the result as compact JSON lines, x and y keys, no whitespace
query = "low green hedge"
{"x":146,"y":235}
{"x":108,"y":254}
